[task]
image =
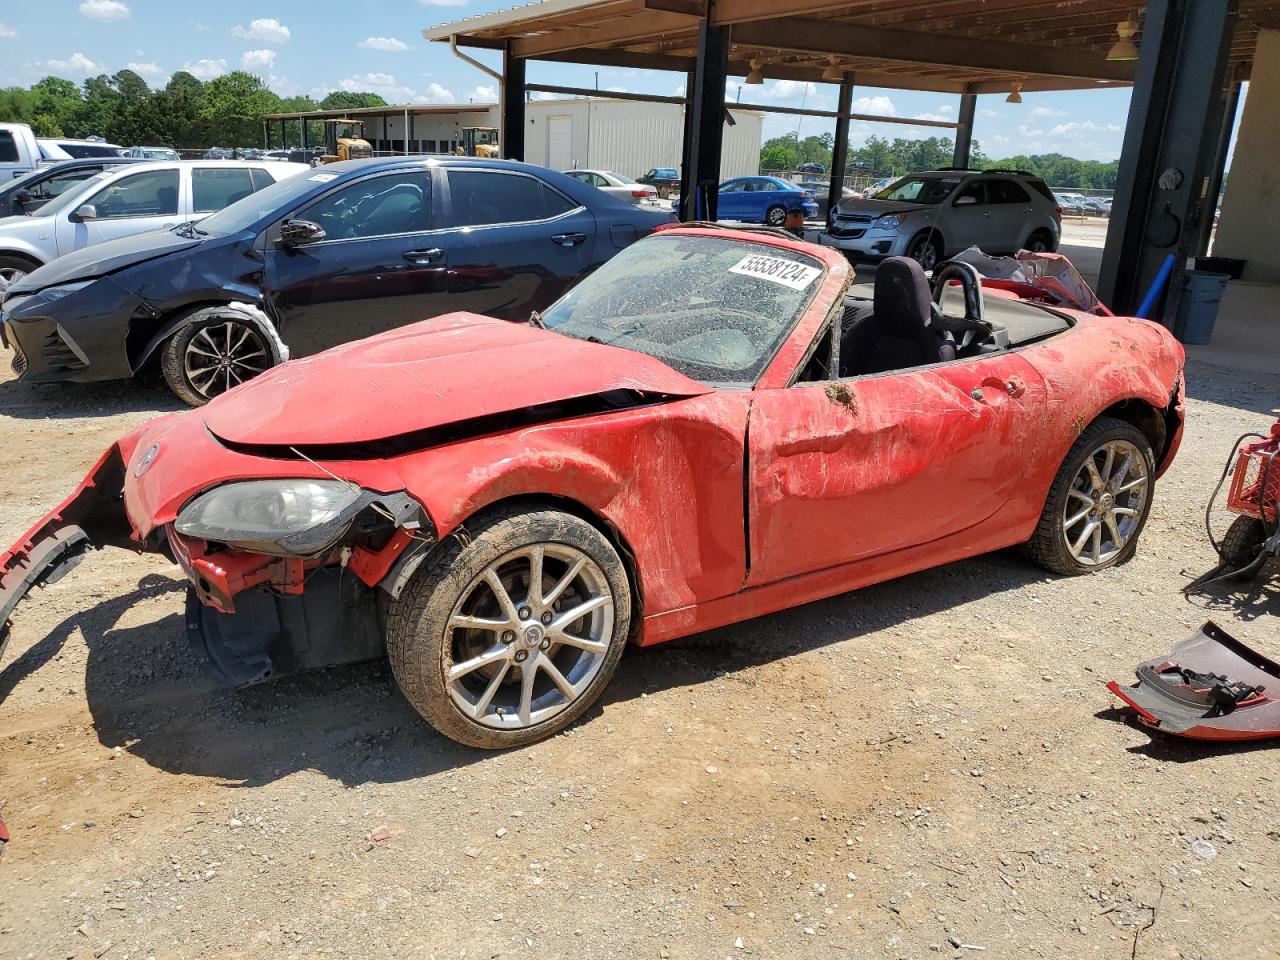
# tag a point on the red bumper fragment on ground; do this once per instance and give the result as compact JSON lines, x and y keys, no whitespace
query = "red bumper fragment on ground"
{"x":93,"y":516}
{"x":1210,"y":687}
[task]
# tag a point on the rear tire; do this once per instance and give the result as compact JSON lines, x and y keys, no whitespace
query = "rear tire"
{"x":457,"y":645}
{"x":215,"y":350}
{"x":776,"y":215}
{"x":1065,"y":541}
{"x":1240,"y":546}
{"x":1040,"y":242}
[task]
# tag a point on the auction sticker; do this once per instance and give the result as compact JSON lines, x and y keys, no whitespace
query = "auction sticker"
{"x":323,"y":177}
{"x":789,"y":273}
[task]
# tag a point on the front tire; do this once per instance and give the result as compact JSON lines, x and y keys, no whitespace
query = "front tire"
{"x":13,"y":269}
{"x":1099,"y":501}
{"x":509,"y":639}
{"x":925,"y":250}
{"x":215,"y":351}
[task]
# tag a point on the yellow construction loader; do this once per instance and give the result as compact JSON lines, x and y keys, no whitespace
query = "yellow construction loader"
{"x":344,"y":140}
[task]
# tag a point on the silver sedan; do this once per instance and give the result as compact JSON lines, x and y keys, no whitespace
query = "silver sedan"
{"x":616,"y":185}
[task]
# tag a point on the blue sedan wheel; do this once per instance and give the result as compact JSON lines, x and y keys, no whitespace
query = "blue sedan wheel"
{"x":776,"y":215}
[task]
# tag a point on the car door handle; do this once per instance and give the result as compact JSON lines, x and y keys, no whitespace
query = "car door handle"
{"x":423,"y":256}
{"x":568,"y":239}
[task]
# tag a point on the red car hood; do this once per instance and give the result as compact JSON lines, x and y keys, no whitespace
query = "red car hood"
{"x":456,"y":367}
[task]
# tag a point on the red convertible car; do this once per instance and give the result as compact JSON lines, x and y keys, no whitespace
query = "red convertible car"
{"x":712,"y":426}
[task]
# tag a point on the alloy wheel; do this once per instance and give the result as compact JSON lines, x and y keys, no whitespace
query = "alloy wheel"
{"x":925,"y":254}
{"x":1105,"y":503}
{"x":528,"y":636}
{"x":9,"y":276}
{"x":775,"y":216}
{"x":223,"y":355}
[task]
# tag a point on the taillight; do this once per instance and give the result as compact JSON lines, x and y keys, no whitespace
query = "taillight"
{"x":1059,"y":209}
{"x":640,"y":193}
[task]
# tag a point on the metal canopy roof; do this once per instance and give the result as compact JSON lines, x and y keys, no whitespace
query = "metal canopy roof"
{"x":955,"y":46}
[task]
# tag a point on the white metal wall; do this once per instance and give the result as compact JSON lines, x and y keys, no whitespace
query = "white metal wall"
{"x":631,"y":137}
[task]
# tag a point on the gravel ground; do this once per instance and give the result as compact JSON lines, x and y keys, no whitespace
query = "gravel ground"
{"x":924,"y":764}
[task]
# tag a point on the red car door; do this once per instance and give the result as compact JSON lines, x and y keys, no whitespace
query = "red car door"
{"x":849,"y":469}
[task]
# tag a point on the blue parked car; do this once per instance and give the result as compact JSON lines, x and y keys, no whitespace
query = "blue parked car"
{"x":762,"y":200}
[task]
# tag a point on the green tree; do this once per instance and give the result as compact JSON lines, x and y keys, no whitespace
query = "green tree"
{"x":346,"y":100}
{"x":232,"y":106}
{"x":780,"y":153}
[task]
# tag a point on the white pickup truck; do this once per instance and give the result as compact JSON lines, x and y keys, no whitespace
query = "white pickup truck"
{"x":21,"y":151}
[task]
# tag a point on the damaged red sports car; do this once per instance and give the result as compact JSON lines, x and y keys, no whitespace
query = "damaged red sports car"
{"x":712,"y":426}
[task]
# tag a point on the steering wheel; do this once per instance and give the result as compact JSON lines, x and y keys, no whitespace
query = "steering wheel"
{"x":971,"y":283}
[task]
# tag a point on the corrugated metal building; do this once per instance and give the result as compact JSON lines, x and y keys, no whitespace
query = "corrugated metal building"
{"x":626,"y":136}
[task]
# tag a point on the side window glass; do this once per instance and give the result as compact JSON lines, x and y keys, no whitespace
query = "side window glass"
{"x":1007,"y":191}
{"x":480,"y":197}
{"x":260,"y":178}
{"x":598,"y":181}
{"x":734,"y":187}
{"x":55,"y":185}
{"x":377,"y":207}
{"x":8,"y":147}
{"x":150,"y":194}
{"x":212,"y":188}
{"x":974,"y":190}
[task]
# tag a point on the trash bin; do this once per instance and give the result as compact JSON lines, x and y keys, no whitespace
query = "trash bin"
{"x":1232,"y":267}
{"x":1202,"y":295}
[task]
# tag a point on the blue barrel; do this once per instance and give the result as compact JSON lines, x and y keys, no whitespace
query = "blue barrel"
{"x":1202,"y":295}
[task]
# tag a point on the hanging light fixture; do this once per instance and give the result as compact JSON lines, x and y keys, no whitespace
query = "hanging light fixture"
{"x":832,"y":73}
{"x":755,"y":77}
{"x":1124,"y":48}
{"x":1015,"y":92}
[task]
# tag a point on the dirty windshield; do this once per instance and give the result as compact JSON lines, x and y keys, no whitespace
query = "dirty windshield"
{"x":713,"y":308}
{"x":919,"y":189}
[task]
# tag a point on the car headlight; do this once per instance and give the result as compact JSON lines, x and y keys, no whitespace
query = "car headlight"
{"x":279,"y":517}
{"x":57,"y":293}
{"x":890,"y":220}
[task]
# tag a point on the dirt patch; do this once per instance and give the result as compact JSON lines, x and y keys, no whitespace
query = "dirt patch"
{"x":886,"y":774}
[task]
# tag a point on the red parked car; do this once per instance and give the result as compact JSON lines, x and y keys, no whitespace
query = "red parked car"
{"x":708,"y":428}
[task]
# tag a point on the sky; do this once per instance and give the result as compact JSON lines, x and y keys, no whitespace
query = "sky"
{"x":322,"y":45}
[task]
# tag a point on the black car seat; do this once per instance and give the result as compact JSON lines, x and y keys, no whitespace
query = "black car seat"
{"x":898,"y":334}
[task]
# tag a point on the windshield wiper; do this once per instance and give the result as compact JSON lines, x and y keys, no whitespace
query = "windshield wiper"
{"x":190,"y":230}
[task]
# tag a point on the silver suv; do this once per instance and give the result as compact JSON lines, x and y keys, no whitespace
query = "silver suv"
{"x":934,"y":215}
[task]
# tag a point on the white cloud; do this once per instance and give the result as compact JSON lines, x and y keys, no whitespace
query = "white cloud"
{"x":391,"y":90}
{"x":258,"y":60}
{"x":7,"y":31}
{"x":1047,"y":112}
{"x":790,"y":89}
{"x":487,"y":94}
{"x":387,"y":44}
{"x":439,"y":94}
{"x":149,"y":71}
{"x":76,"y":63}
{"x":947,"y":109}
{"x":206,"y":69}
{"x":443,"y":3}
{"x":930,"y":116}
{"x":988,"y":113}
{"x":264,"y":30}
{"x":1086,"y":128}
{"x":878,"y":106}
{"x":104,"y":10}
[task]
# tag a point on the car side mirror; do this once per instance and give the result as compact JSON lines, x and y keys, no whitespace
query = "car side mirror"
{"x":294,"y":233}
{"x":966,"y":201}
{"x":86,"y":211}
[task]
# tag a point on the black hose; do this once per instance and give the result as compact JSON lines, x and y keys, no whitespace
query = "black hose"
{"x":1226,"y":472}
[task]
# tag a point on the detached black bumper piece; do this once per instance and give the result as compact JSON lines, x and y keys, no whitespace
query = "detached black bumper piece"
{"x":1210,"y":687}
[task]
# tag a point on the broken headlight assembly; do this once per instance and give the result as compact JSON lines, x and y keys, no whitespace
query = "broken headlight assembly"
{"x":285,"y":518}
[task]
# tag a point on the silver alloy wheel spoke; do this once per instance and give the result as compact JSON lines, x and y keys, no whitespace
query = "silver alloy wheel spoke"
{"x":510,"y":660}
{"x":218,"y":358}
{"x":1112,"y":485}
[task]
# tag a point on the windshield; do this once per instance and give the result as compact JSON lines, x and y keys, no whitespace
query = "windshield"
{"x":73,"y":195}
{"x":919,"y":189}
{"x":714,"y":309}
{"x":276,"y":198}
